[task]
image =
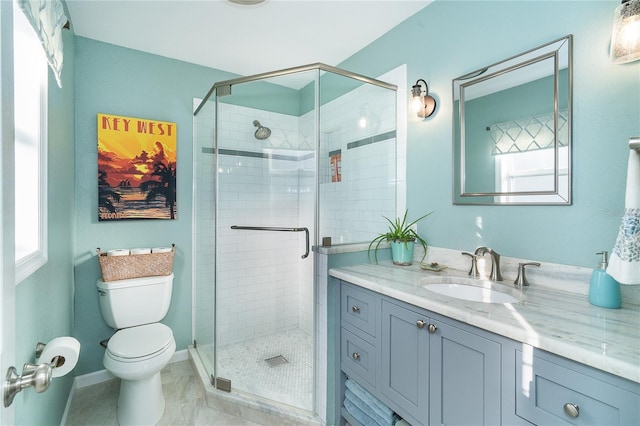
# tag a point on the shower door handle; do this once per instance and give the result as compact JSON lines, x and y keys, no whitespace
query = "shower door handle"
{"x":278,"y":229}
{"x":306,"y":237}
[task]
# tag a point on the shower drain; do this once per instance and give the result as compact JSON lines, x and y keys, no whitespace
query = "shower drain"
{"x":276,"y":361}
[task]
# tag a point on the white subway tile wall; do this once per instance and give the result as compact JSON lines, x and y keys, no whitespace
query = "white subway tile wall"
{"x":351,"y":210}
{"x":258,"y":271}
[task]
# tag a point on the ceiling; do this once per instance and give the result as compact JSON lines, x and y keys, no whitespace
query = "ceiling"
{"x":241,"y":39}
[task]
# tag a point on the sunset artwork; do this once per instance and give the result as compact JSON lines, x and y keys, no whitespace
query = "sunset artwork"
{"x":136,"y":168}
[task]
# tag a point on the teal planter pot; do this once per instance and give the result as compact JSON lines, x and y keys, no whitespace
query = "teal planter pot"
{"x":402,"y":252}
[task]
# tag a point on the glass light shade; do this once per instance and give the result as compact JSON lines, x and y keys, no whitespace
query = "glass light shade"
{"x":625,"y":36}
{"x":416,"y":104}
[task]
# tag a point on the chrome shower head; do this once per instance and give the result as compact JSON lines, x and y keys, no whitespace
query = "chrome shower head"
{"x":263,"y":132}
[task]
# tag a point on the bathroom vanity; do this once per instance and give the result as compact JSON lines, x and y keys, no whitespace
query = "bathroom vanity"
{"x":549,"y":358}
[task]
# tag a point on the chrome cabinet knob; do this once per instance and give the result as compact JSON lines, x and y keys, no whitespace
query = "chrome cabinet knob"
{"x":420,"y":324}
{"x":355,"y":309}
{"x":432,"y":328}
{"x":572,"y":409}
{"x":355,"y":356}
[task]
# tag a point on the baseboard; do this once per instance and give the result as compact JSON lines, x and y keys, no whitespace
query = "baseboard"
{"x":104,"y":376}
{"x":92,"y":379}
{"x":179,"y":356}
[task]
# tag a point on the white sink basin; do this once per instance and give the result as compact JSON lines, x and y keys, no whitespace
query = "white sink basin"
{"x":471,"y":292}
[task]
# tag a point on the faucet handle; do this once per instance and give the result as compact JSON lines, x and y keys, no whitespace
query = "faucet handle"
{"x":480,"y":250}
{"x":521,"y":279}
{"x":473,"y":272}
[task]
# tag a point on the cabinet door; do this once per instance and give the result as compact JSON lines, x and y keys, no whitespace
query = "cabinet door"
{"x":405,"y":360}
{"x":545,"y":391}
{"x":464,"y":378}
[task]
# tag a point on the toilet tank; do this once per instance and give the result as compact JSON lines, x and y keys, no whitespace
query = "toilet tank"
{"x":136,"y":301}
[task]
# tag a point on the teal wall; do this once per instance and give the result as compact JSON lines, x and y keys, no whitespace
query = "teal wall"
{"x":450,"y":38}
{"x":114,"y":80}
{"x":263,"y":95}
{"x":44,"y":300}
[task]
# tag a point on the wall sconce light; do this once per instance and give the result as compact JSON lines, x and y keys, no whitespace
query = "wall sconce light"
{"x":425,"y":105}
{"x":625,"y":36}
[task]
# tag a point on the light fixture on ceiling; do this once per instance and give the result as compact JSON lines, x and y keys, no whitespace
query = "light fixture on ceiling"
{"x":425,"y":105}
{"x":625,"y":36}
{"x":246,"y":2}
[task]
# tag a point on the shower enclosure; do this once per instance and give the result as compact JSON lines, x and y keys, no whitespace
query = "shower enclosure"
{"x":282,"y":160}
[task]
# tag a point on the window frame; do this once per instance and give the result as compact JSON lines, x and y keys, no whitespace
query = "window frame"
{"x":31,"y":262}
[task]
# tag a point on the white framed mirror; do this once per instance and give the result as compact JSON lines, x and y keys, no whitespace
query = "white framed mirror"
{"x":512,"y":129}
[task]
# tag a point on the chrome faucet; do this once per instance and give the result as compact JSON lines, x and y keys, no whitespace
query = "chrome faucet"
{"x":495,"y":262}
{"x":473,"y":272}
{"x":521,"y":279}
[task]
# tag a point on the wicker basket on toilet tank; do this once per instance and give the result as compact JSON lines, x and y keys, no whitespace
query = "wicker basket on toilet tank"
{"x":116,"y":268}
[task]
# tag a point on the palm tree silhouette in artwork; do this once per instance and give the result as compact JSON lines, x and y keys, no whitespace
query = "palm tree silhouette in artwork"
{"x":106,"y":195}
{"x":165,"y":187}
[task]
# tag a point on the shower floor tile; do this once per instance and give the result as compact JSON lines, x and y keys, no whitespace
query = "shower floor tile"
{"x":290,"y":382}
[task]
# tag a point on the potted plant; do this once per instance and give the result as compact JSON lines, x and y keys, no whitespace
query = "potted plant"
{"x":402,"y":237}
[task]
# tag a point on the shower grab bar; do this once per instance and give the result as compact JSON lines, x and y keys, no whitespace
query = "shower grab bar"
{"x":277,"y":229}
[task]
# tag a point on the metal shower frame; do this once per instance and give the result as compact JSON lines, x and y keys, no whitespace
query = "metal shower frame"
{"x":317,"y":66}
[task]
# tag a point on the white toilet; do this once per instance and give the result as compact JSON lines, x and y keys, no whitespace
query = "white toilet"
{"x":141,"y":347}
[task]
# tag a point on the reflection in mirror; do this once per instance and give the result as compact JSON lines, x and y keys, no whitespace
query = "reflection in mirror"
{"x":512,"y":129}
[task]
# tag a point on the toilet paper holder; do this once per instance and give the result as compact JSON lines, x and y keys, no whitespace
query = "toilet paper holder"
{"x":37,"y":376}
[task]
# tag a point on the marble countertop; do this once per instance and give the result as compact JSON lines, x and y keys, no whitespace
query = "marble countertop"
{"x":555,"y":320}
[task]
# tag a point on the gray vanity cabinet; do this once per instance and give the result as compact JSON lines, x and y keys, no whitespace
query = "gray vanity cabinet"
{"x":405,"y":359}
{"x":434,"y":370}
{"x":465,"y":377}
{"x":359,"y":315}
{"x":430,"y":371}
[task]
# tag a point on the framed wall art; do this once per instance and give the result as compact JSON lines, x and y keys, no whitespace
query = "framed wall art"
{"x":136,"y":168}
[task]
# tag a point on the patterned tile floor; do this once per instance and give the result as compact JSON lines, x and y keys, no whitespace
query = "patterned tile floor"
{"x":289,"y":383}
{"x":186,"y":404}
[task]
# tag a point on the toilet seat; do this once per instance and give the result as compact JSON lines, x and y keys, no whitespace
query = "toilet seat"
{"x":139,"y":343}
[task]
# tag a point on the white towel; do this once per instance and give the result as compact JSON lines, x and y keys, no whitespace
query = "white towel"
{"x":624,"y":264}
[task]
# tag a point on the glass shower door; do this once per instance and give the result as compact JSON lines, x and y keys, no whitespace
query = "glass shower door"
{"x":264,"y":232}
{"x":204,"y":235}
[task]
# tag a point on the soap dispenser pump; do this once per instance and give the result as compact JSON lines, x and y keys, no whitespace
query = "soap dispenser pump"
{"x":604,"y":291}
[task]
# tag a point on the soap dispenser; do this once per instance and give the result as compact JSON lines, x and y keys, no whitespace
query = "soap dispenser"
{"x":604,"y":291}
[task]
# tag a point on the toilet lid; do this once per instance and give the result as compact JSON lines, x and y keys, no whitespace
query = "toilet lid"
{"x":140,"y":341}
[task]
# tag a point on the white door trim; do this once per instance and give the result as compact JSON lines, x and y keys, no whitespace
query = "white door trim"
{"x":7,"y":202}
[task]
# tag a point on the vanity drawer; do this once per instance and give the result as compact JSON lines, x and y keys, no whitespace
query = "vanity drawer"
{"x":544,"y":389}
{"x":358,"y":357}
{"x":358,"y":307}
